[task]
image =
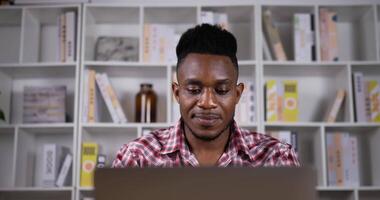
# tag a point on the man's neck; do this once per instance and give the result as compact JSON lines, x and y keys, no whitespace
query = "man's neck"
{"x":207,"y":152}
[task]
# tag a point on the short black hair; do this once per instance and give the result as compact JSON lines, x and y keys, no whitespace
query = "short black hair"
{"x":207,"y":39}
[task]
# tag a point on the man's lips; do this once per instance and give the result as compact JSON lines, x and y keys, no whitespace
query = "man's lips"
{"x":206,"y":119}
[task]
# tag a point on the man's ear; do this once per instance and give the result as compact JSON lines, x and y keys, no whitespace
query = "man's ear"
{"x":239,"y":91}
{"x":175,"y":90}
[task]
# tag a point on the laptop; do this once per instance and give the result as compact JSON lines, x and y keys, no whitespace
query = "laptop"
{"x":205,"y":183}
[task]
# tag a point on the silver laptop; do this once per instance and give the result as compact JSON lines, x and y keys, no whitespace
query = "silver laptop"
{"x":205,"y":183}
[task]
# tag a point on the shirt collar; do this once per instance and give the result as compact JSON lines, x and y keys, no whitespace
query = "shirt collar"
{"x":177,"y":141}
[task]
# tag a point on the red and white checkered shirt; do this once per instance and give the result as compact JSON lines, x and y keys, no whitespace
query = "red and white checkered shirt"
{"x":168,"y":148}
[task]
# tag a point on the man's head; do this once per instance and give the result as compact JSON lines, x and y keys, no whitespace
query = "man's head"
{"x":207,"y":88}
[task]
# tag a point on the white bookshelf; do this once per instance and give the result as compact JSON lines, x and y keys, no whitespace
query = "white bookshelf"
{"x":28,"y":56}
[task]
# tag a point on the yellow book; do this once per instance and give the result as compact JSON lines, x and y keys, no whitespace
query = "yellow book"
{"x":290,"y":112}
{"x":374,"y":97}
{"x":91,"y":115}
{"x":89,"y":158}
{"x":272,"y":101}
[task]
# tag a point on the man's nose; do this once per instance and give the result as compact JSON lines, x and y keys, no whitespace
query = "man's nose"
{"x":207,"y":99}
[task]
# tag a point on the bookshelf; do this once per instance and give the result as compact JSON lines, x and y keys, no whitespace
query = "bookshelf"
{"x":28,"y":56}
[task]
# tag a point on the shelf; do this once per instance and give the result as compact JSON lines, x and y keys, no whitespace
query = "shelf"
{"x":368,"y":139}
{"x":36,"y":189}
{"x":40,"y":36}
{"x":283,"y":19}
{"x":126,"y":125}
{"x":291,"y":124}
{"x":7,"y":154}
{"x":10,"y":31}
{"x":123,"y":64}
{"x":355,"y":32}
{"x":111,"y":22}
{"x":313,"y":104}
{"x":331,"y":188}
{"x":30,"y":141}
{"x":126,"y":83}
{"x":41,"y":65}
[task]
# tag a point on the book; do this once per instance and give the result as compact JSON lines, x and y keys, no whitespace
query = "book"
{"x":219,"y":18}
{"x":303,"y":37}
{"x":52,"y":156}
{"x":271,"y":101}
{"x":70,"y":42}
{"x":331,"y":159}
{"x":44,"y":104}
{"x":207,"y":17}
{"x":111,"y":99}
{"x":273,"y":37}
{"x":290,"y":109}
{"x":373,"y":89}
{"x":88,"y":164}
{"x":85,"y":97}
{"x":336,"y":107}
{"x":361,"y":110}
{"x":245,"y":109}
{"x":62,"y":38}
{"x":63,"y":178}
{"x":342,"y":159}
{"x":91,"y":102}
{"x":109,"y":48}
{"x":159,"y":42}
{"x":328,"y":35}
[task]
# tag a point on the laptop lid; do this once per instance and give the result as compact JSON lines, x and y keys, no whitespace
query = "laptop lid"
{"x":205,"y":183}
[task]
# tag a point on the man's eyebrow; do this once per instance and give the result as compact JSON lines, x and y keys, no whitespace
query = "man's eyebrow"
{"x":223,"y":81}
{"x":193,"y":82}
{"x":198,"y":82}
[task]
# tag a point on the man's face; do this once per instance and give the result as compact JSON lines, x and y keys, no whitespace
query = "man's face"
{"x":207,"y":94}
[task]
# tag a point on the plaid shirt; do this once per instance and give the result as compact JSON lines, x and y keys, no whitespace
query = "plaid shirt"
{"x":168,"y":148}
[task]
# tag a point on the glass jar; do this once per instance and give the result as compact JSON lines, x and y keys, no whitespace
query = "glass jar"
{"x":146,"y":104}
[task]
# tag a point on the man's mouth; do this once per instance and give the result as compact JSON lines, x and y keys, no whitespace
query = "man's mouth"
{"x":206,"y":120}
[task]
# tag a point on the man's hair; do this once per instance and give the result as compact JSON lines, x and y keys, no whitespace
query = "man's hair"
{"x":207,"y":39}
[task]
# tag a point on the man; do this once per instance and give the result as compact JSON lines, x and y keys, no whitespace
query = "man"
{"x":207,"y":92}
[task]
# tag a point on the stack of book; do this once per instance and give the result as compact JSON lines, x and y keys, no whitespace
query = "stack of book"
{"x":159,"y":43}
{"x":56,"y":166}
{"x":66,"y":37}
{"x":328,"y":35}
{"x":367,"y":98}
{"x":90,"y":114}
{"x":282,"y":101}
{"x":219,"y":18}
{"x":342,"y":159}
{"x":245,"y":109}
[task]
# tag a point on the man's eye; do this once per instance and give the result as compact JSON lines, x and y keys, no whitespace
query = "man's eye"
{"x":221,"y":91}
{"x":194,"y":90}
